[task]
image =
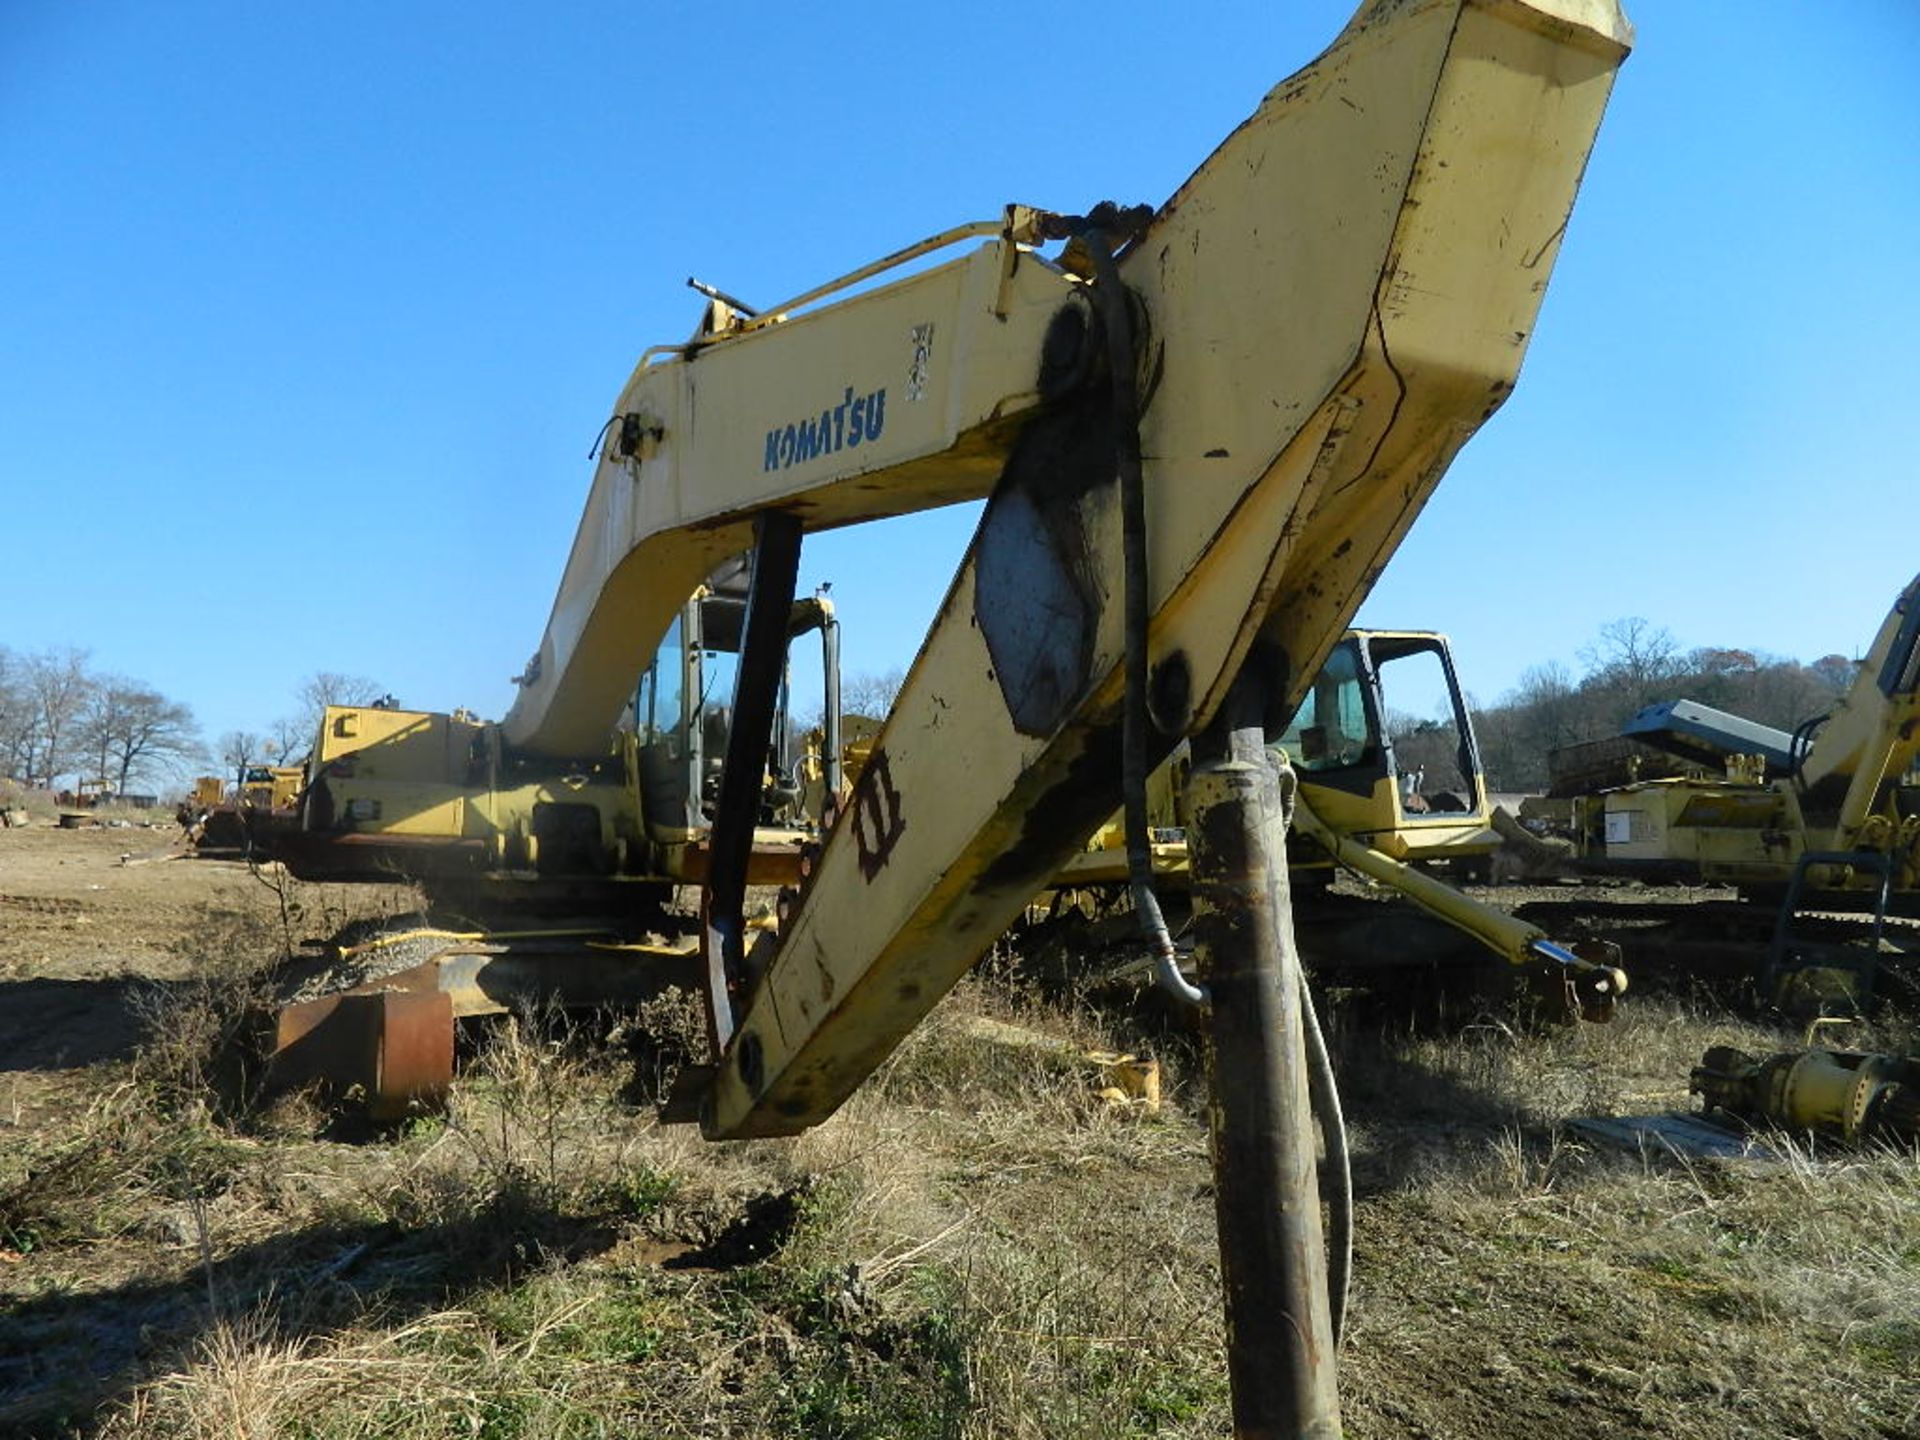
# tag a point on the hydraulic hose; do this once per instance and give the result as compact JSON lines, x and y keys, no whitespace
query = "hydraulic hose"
{"x":1324,"y":1096}
{"x":1801,"y":745}
{"x":1117,"y":324}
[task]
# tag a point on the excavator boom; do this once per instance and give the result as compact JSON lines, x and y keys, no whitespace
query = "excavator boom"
{"x":1317,"y":321}
{"x":1200,"y":432}
{"x":1873,"y":737}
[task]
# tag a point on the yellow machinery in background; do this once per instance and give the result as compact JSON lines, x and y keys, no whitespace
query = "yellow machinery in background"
{"x":1820,"y":826}
{"x":1393,"y":793}
{"x":1856,"y":1096}
{"x":1838,"y":800}
{"x":270,"y":787}
{"x":222,"y":819}
{"x":1390,"y":794}
{"x":441,"y":800}
{"x":1406,"y":784}
{"x":262,"y":787}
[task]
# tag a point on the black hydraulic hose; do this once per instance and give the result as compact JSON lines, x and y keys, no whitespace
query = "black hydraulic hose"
{"x":1323,"y":1092}
{"x":1801,"y":745}
{"x":1117,"y":323}
{"x":1324,"y":1096}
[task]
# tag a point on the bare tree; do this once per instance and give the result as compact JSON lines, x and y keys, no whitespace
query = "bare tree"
{"x":130,"y":729}
{"x":871,"y":695}
{"x":1785,"y":694}
{"x":1634,"y":650}
{"x":57,"y":686}
{"x":1544,"y":712}
{"x":1835,"y":674}
{"x":327,"y":687}
{"x":241,"y":748}
{"x":287,"y":739}
{"x":18,"y":725}
{"x":1549,"y":692}
{"x":1631,"y":665}
{"x":866,"y":694}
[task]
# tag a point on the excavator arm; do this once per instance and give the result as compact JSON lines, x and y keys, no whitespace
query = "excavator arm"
{"x":1579,"y":978}
{"x":1872,"y":739}
{"x":1313,"y":325}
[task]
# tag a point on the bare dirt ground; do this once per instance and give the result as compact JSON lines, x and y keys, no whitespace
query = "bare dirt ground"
{"x":96,"y":931}
{"x":82,"y":937}
{"x":975,"y":1246}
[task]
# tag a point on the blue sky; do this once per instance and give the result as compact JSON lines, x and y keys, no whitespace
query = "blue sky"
{"x":312,"y":313}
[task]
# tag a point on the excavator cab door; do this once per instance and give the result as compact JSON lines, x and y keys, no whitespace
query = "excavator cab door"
{"x":1384,"y":747}
{"x":1427,"y":737}
{"x":668,"y":740}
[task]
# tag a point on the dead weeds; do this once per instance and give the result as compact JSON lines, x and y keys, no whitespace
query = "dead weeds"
{"x":975,"y":1246}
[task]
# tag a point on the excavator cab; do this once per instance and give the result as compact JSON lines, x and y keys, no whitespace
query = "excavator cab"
{"x":1405,"y":781}
{"x":683,"y":711}
{"x":441,"y":799}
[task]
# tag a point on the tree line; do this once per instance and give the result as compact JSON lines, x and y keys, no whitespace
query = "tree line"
{"x":62,"y":720}
{"x":1633,"y":664}
{"x":59,"y":717}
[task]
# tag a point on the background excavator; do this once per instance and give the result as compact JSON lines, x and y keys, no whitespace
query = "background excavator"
{"x":487,"y":828}
{"x":1391,"y":796}
{"x":1411,"y":787}
{"x":1200,"y":431}
{"x":1807,"y":823}
{"x":1835,"y":802}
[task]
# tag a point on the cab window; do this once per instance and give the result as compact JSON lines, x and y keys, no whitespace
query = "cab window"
{"x":1331,"y":729}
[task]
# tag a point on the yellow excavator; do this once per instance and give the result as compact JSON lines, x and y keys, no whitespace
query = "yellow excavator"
{"x":1836,"y":801}
{"x":1409,"y":786}
{"x":1810,"y":822}
{"x":1200,"y":431}
{"x":1406,"y":784}
{"x":1389,"y":794}
{"x":445,"y":801}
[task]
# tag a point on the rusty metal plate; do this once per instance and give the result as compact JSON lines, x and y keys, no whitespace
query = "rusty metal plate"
{"x":416,"y":1054}
{"x":392,"y":1048}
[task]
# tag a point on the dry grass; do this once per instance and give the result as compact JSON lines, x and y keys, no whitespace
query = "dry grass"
{"x":1517,"y":1276}
{"x":976,"y":1246}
